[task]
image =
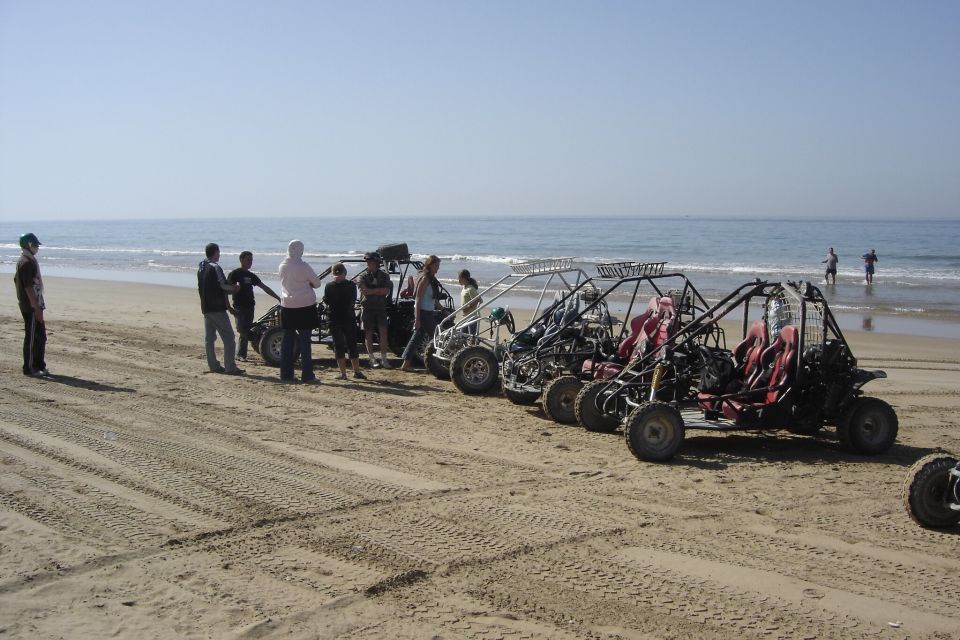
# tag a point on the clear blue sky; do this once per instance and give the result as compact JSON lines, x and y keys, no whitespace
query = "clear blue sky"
{"x":182,"y":108}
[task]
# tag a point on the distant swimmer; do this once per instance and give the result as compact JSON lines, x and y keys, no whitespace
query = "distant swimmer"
{"x":869,"y":260}
{"x":831,"y":262}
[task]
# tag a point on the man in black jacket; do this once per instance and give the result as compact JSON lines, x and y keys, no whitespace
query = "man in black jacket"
{"x":214,"y":304}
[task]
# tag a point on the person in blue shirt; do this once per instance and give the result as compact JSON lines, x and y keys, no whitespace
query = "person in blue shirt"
{"x":426,"y":295}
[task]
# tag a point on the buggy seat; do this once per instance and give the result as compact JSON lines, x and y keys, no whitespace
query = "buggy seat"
{"x":746,"y":360}
{"x":648,"y":330}
{"x":407,"y":293}
{"x":762,"y":391}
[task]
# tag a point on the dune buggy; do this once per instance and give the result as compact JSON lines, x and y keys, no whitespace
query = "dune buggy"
{"x":792,"y":370}
{"x":469,"y":350}
{"x":931,"y":492}
{"x":266,"y":333}
{"x":552,"y":359}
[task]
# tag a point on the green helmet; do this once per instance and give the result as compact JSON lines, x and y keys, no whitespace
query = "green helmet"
{"x":497,"y":313}
{"x":28,"y":238}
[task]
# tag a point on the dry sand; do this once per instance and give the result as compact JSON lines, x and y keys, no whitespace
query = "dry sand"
{"x":143,"y":498}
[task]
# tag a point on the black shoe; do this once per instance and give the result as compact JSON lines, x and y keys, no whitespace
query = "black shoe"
{"x":359,"y":375}
{"x":234,"y":372}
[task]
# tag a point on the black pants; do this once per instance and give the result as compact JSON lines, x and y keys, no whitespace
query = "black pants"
{"x":34,"y":343}
{"x":244,"y":318}
{"x":344,"y":340}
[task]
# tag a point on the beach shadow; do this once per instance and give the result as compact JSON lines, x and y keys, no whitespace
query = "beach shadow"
{"x":712,"y":452}
{"x":89,"y":385}
{"x":389,"y":388}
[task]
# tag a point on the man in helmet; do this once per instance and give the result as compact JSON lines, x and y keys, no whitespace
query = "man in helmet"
{"x":30,"y":296}
{"x":375,"y":285}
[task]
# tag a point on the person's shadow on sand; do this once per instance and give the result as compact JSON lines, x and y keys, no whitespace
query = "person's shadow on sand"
{"x":89,"y":385}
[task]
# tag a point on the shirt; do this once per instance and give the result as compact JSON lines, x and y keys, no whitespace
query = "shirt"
{"x":340,"y":298}
{"x":375,"y":280}
{"x":467,"y":294}
{"x":295,"y":281}
{"x":28,"y":275}
{"x":213,"y":285}
{"x":247,"y":281}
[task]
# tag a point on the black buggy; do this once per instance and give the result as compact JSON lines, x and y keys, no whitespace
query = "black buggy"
{"x":266,"y":334}
{"x":579,"y":339}
{"x":931,"y":492}
{"x":793,"y":370}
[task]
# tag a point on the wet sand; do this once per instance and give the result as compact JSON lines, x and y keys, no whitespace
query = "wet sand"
{"x":142,"y":497}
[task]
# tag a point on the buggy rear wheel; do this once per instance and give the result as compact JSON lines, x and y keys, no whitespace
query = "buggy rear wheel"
{"x":590,"y":416}
{"x":270,"y":346}
{"x":559,"y":398}
{"x":436,"y":366}
{"x":654,"y":431}
{"x":926,"y":492}
{"x":522,"y":396}
{"x":869,"y":426}
{"x":474,"y":370}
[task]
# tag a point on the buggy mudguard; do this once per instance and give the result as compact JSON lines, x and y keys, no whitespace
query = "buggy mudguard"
{"x":863,"y":376}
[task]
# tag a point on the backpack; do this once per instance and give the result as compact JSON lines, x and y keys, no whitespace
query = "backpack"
{"x":718,"y":372}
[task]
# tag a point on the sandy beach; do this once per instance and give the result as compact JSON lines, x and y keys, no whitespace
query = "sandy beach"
{"x":142,"y":497}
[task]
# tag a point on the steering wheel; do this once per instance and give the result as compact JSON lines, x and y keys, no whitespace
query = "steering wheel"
{"x":508,"y":322}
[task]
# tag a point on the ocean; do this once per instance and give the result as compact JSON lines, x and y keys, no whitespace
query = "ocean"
{"x":916,"y":287}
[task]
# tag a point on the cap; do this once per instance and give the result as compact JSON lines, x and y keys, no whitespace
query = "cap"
{"x":28,"y":238}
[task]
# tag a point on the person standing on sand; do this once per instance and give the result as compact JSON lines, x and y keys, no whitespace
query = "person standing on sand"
{"x":298,"y":313}
{"x":340,"y":296}
{"x":869,"y":260}
{"x":214,"y":304}
{"x":469,"y":299}
{"x":426,"y":294}
{"x":29,"y":286}
{"x":244,"y":302}
{"x":831,"y":262}
{"x":375,"y":286}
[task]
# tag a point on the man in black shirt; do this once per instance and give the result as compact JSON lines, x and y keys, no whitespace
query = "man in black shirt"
{"x":244,"y":304}
{"x":213,"y":287}
{"x":29,"y":285}
{"x":375,"y":285}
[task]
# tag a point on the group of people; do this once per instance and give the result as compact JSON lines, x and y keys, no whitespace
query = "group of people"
{"x":299,"y":316}
{"x":870,"y":260}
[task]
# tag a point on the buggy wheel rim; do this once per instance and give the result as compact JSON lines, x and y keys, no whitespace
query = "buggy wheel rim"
{"x":873,"y":427}
{"x":568,"y":398}
{"x":657,"y":433}
{"x":476,"y":371}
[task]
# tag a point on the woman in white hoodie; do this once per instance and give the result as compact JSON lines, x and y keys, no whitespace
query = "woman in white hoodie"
{"x":298,"y":312}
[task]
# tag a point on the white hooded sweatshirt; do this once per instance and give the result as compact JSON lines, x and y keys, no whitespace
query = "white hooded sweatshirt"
{"x":296,"y":278}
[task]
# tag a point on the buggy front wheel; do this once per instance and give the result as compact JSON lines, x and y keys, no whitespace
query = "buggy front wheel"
{"x":926,"y":491}
{"x":270,"y":346}
{"x":474,"y":370}
{"x":436,"y":366}
{"x":521,"y":396}
{"x":589,"y":414}
{"x":654,"y":431}
{"x":868,"y":427}
{"x":559,"y":398}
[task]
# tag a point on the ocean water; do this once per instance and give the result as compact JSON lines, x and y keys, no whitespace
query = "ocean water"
{"x":918,"y":275}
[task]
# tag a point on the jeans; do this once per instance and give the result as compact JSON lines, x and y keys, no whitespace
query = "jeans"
{"x":244,"y":319}
{"x":302,"y":339}
{"x":34,"y":343}
{"x":218,"y":322}
{"x":428,"y":322}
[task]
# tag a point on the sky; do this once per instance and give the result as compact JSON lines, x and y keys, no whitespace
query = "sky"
{"x":237,"y":109}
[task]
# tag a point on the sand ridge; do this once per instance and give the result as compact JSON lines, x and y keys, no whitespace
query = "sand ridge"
{"x":140,"y":496}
